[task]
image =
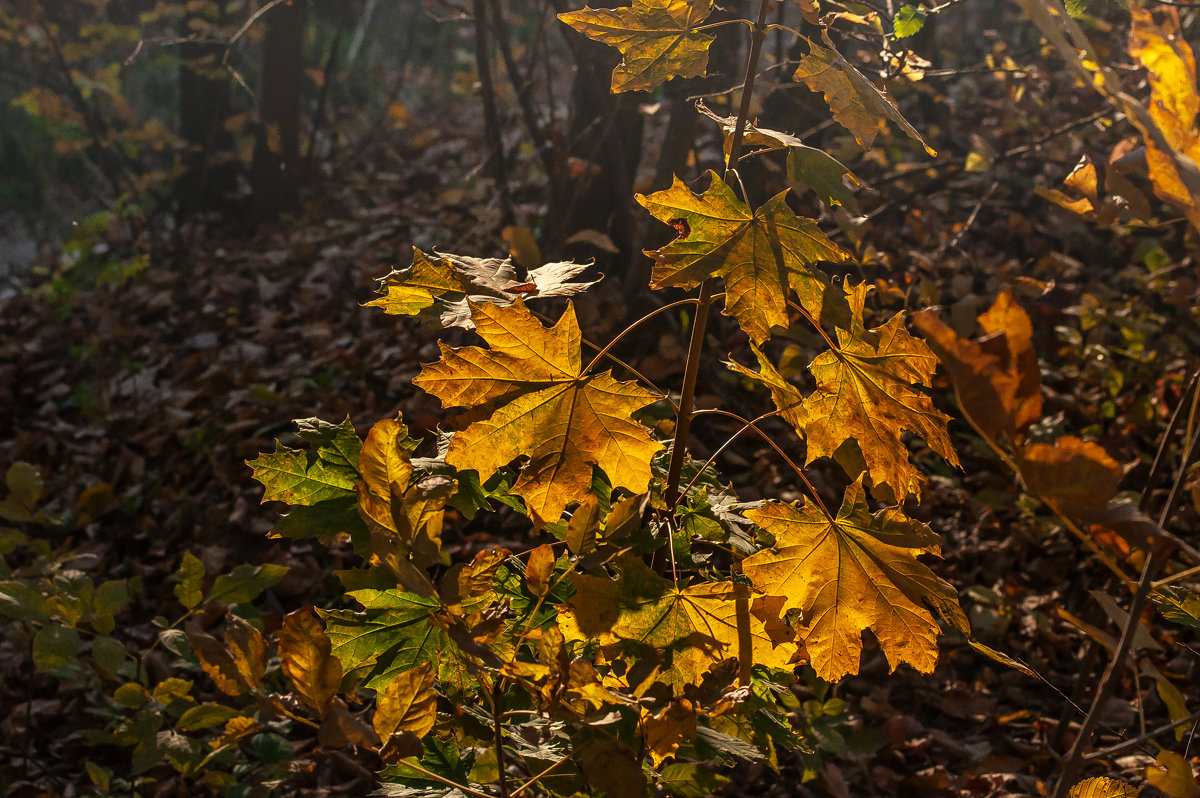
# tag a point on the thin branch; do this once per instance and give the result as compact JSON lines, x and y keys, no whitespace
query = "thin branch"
{"x":799,"y":471}
{"x":630,"y":328}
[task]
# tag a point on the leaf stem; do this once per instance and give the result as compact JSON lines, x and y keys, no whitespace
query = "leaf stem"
{"x":722,"y":24}
{"x":630,"y":328}
{"x":691,"y":369}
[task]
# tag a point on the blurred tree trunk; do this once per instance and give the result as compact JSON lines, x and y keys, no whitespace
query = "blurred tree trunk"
{"x":210,"y":175}
{"x":275,"y":173}
{"x":604,"y":140}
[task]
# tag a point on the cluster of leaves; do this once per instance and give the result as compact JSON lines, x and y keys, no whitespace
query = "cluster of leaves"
{"x":660,"y":634}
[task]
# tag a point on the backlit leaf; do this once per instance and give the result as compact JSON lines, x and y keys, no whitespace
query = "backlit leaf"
{"x":190,"y":575}
{"x":305,"y":654}
{"x":217,"y":661}
{"x":248,"y":649}
{"x":1103,"y":787}
{"x":539,"y":570}
{"x":539,"y":404}
{"x":691,"y":628}
{"x":908,"y":21}
{"x":1171,"y":68}
{"x":855,"y":102}
{"x":298,"y":477}
{"x":407,"y":704}
{"x":865,"y":393}
{"x":397,"y":632}
{"x":1172,"y":774}
{"x":655,"y":37}
{"x":851,"y":573}
{"x":759,"y":254}
{"x":664,"y":732}
{"x":807,"y":166}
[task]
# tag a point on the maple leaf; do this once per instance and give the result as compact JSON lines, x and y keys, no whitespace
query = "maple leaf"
{"x":865,"y":394}
{"x":852,"y":573}
{"x":759,"y":254}
{"x":1171,"y":67}
{"x":539,"y":404}
{"x":806,"y":166}
{"x":692,"y":628}
{"x":656,"y":39}
{"x":298,"y":477}
{"x":397,"y":632}
{"x":855,"y":102}
{"x":996,"y":378}
{"x":442,"y":284}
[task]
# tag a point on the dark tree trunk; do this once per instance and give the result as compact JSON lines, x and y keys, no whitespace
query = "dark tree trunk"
{"x":275,"y":174}
{"x":605,"y":144}
{"x":210,"y":175}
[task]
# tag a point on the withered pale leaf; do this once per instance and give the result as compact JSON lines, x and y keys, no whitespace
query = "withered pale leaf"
{"x":437,"y":287}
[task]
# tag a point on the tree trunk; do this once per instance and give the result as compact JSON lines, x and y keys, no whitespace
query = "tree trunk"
{"x":275,"y":174}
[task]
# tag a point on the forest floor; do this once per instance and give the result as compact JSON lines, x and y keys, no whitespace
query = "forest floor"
{"x":139,"y":403}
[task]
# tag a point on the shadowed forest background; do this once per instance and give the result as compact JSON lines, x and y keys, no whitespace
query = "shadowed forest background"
{"x":197,"y":199}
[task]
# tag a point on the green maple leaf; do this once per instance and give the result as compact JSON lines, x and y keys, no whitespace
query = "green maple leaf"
{"x":692,"y":627}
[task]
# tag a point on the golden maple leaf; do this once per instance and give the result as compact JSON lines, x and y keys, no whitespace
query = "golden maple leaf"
{"x":758,"y":253}
{"x":1171,"y":67}
{"x":855,"y":102}
{"x":537,"y":403}
{"x":692,"y":628}
{"x":851,"y":573}
{"x":656,"y":39}
{"x":865,"y":395}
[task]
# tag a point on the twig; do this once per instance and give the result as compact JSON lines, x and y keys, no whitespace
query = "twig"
{"x":1128,"y":745}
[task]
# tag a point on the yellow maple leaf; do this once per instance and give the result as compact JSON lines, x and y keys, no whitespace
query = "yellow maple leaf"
{"x":1174,"y":104}
{"x":539,"y":404}
{"x":758,"y":253}
{"x":855,"y":102}
{"x":656,"y":38}
{"x":691,"y":628}
{"x":851,"y":573}
{"x":865,"y":395}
